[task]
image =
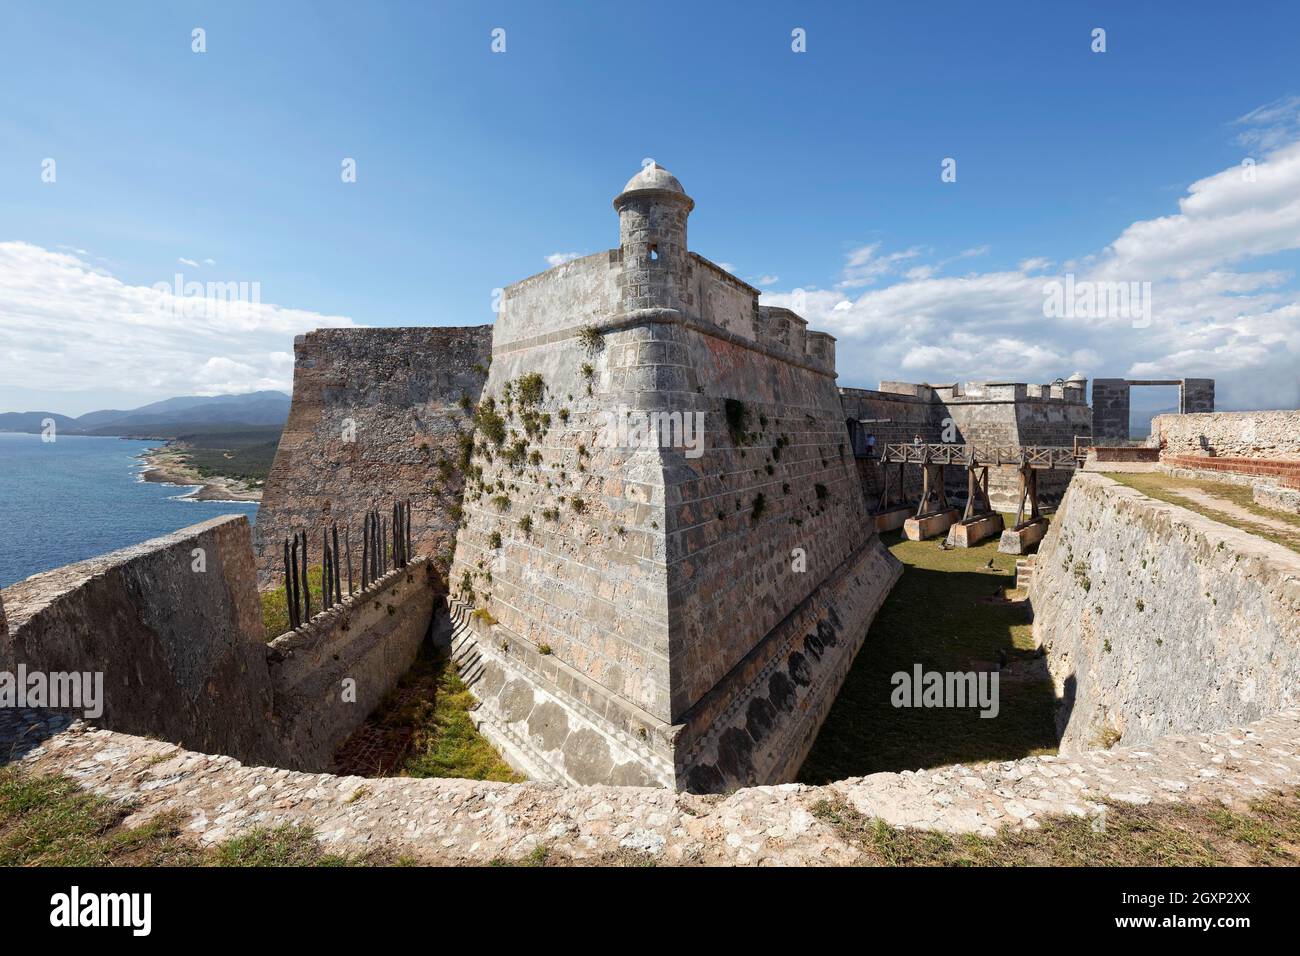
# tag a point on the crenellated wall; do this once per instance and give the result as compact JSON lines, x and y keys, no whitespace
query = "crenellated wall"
{"x":995,"y":413}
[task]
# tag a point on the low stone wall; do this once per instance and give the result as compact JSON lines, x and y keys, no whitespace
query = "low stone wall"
{"x":1268,"y":434}
{"x":474,"y":822}
{"x":1238,"y":470}
{"x":174,"y":625}
{"x":1124,"y":453}
{"x":1157,"y":620}
{"x":1268,"y":495}
{"x":331,"y":672}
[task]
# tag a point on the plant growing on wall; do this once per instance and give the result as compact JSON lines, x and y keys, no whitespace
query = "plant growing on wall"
{"x":591,"y":339}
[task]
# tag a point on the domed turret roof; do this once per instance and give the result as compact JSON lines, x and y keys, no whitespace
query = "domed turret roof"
{"x":654,"y":176}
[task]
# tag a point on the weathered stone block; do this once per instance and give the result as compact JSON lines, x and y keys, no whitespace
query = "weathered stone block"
{"x":967,"y":534}
{"x":929,"y":526}
{"x":1019,"y":540}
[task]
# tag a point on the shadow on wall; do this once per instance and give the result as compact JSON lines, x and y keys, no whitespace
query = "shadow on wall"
{"x":173,"y":627}
{"x":947,"y":621}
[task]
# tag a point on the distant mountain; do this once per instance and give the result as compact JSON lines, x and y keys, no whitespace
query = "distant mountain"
{"x":31,"y":421}
{"x":165,"y":419}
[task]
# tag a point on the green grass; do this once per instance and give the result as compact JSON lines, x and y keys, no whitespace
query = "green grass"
{"x":50,"y":821}
{"x":275,"y":605}
{"x":1166,"y":487}
{"x":1265,"y":833}
{"x":445,"y":742}
{"x":945,"y":614}
{"x":247,"y":464}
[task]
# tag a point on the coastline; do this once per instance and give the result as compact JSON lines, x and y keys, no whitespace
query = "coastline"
{"x":168,"y":465}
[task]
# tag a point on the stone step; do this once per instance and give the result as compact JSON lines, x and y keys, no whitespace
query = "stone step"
{"x":1024,"y":572}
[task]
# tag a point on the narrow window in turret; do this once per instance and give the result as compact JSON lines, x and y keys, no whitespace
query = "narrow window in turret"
{"x":654,"y":252}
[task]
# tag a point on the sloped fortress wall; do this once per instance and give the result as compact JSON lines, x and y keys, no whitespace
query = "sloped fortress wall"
{"x":174,"y":627}
{"x":680,"y":610}
{"x":1158,"y":620}
{"x":378,"y":415}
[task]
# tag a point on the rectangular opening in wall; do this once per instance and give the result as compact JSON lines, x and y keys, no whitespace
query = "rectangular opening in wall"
{"x":654,"y":252}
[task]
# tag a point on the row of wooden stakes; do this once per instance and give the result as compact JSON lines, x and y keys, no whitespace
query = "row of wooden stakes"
{"x":385,"y":544}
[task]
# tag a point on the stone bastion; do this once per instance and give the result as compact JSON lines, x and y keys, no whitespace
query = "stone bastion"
{"x":665,"y":567}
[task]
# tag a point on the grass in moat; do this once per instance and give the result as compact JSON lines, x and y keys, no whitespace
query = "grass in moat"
{"x":444,"y":742}
{"x":948,"y":612}
{"x":1167,"y":487}
{"x":1264,"y":833}
{"x":430,"y":700}
{"x":50,"y":821}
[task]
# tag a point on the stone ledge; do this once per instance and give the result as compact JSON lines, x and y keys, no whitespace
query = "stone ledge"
{"x":464,"y":821}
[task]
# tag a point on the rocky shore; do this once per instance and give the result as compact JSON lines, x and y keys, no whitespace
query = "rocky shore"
{"x":169,"y":465}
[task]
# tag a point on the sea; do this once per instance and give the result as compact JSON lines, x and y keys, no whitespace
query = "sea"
{"x":78,"y":497}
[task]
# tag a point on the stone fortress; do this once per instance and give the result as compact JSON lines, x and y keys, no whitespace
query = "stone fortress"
{"x":644,"y":521}
{"x":644,"y":614}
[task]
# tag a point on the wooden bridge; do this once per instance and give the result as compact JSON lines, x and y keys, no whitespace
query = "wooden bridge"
{"x":976,"y":458}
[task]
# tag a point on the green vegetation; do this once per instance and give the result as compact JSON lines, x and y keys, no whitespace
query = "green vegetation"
{"x":50,"y":821}
{"x":445,"y":743}
{"x":1173,"y":490}
{"x":489,"y":422}
{"x":275,"y":606}
{"x":948,"y":613}
{"x":1266,"y":833}
{"x":243,"y":453}
{"x":591,"y":339}
{"x":530,"y":388}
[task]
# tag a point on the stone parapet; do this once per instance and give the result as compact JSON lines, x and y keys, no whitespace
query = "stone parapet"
{"x":474,"y":822}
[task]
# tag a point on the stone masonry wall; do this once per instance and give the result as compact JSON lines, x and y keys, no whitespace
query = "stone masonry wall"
{"x":377,"y":416}
{"x":475,"y":822}
{"x":616,"y":583}
{"x":370,"y":639}
{"x":179,"y":643}
{"x":1266,"y":434}
{"x":1010,"y":414}
{"x":1159,"y":620}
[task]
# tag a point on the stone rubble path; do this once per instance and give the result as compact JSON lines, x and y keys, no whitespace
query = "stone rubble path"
{"x":465,"y":821}
{"x":1228,"y":507}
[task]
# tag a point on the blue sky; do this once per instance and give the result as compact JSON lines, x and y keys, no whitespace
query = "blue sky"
{"x":816,"y":171}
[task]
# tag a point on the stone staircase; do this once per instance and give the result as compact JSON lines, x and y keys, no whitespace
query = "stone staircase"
{"x":1025,"y":571}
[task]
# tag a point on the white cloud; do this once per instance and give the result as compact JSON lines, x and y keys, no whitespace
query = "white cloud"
{"x":66,"y":326}
{"x":1211,"y":317}
{"x":560,"y":258}
{"x":209,"y":262}
{"x":768,"y":280}
{"x":1271,"y":125}
{"x":864,"y":265}
{"x":188,"y":262}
